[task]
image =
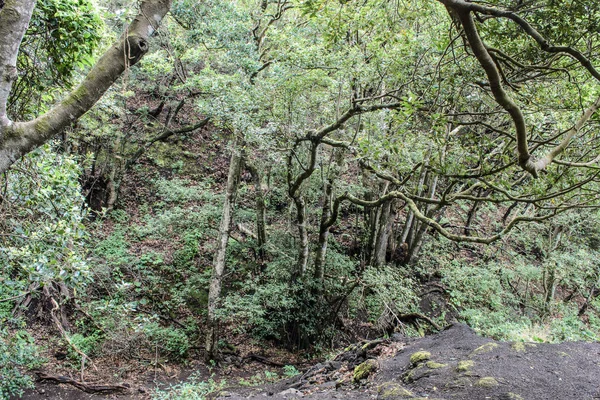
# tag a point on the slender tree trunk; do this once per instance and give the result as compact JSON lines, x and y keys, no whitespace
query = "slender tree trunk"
{"x":14,"y":21}
{"x":214,"y":292}
{"x":261,"y":219}
{"x":323,"y":232}
{"x":303,"y":249}
{"x":386,"y":221}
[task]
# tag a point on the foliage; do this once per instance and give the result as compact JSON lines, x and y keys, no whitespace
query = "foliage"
{"x":171,"y":341}
{"x":61,"y":40}
{"x":17,"y":353}
{"x":44,"y":238}
{"x":519,"y":293}
{"x":192,"y":389}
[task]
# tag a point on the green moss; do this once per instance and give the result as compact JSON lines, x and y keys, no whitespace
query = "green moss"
{"x":459,"y":382}
{"x":434,"y":365}
{"x":518,"y":347}
{"x":465,"y":365}
{"x":419,"y":356}
{"x":42,"y":126}
{"x":486,"y":348}
{"x":487,"y":382}
{"x":390,"y":390}
{"x":410,"y":375}
{"x":365,"y":369}
{"x":78,"y":94}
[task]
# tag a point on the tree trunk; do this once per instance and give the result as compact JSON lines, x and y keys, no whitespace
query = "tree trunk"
{"x":323,"y":232}
{"x":303,"y":249}
{"x":261,"y":219}
{"x":386,"y":221}
{"x":214,"y":292}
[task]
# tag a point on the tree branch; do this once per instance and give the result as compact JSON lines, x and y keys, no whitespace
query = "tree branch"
{"x":22,"y":137}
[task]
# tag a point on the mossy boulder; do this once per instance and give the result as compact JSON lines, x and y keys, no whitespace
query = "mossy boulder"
{"x":487,"y":382}
{"x":512,"y":396}
{"x":362,"y":371}
{"x":519,"y":347}
{"x":419,"y":357}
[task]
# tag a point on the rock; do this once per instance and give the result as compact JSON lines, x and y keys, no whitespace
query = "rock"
{"x":486,"y":348}
{"x":393,"y":391}
{"x":510,"y":396}
{"x":419,"y":356}
{"x":434,"y":365}
{"x":362,"y":371}
{"x":291,"y":393}
{"x":465,"y":365}
{"x":519,"y":347}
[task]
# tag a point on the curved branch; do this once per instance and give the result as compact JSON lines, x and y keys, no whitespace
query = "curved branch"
{"x":527,"y":28}
{"x":441,"y":230}
{"x":20,"y":138}
{"x":500,"y":95}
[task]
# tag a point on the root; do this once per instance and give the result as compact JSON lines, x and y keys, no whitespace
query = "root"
{"x":64,"y":334}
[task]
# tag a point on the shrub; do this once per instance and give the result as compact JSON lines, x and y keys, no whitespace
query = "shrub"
{"x":17,"y":353}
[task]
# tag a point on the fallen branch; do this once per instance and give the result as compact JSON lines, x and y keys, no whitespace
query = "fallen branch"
{"x":86,"y":387}
{"x":264,"y":360}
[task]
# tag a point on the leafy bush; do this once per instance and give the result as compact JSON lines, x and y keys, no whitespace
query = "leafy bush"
{"x":17,"y":353}
{"x":44,"y":240}
{"x":172,"y":341}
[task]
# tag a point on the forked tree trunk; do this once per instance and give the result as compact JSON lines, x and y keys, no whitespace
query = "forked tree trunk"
{"x":214,"y":292}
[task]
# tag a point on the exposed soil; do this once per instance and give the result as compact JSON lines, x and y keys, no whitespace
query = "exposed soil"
{"x":454,"y":364}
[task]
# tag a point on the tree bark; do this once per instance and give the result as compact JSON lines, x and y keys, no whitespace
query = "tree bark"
{"x":14,"y":20}
{"x":261,"y":219}
{"x":323,"y":232}
{"x":214,"y":292}
{"x":19,"y":138}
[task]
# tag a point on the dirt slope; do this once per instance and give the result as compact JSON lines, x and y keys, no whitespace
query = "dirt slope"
{"x":454,"y":364}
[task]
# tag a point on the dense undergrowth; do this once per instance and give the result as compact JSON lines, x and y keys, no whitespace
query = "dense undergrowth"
{"x":143,"y":278}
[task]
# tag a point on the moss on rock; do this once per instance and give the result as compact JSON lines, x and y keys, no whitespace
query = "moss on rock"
{"x":465,"y":365}
{"x":391,"y":391}
{"x":434,"y":365}
{"x":365,"y":369}
{"x":487,"y":382}
{"x":419,"y":356}
{"x":486,"y":348}
{"x":512,"y":396}
{"x":518,"y":347}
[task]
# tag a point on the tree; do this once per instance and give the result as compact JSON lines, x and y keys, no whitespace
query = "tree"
{"x":19,"y":138}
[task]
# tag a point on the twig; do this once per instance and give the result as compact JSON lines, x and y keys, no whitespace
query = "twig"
{"x":64,"y":334}
{"x":16,"y":297}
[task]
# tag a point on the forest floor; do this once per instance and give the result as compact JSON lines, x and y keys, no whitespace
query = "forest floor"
{"x":453,"y":364}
